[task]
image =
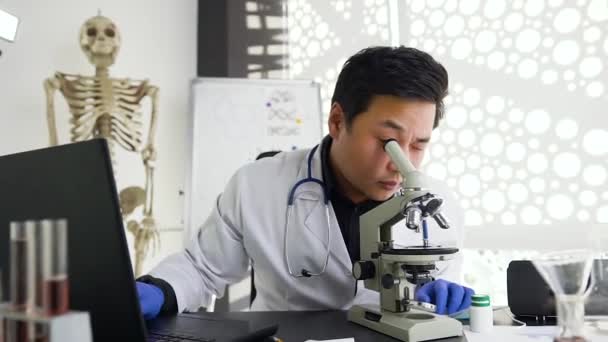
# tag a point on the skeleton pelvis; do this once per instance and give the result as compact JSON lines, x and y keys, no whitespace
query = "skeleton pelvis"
{"x":131,"y":198}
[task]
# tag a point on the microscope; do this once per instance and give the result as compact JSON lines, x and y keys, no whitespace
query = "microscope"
{"x":396,"y":271}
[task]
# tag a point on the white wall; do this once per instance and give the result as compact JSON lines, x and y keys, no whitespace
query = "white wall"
{"x":158,"y":43}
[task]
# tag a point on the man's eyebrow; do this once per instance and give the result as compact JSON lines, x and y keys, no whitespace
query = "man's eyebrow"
{"x":394,"y":125}
{"x":423,"y":140}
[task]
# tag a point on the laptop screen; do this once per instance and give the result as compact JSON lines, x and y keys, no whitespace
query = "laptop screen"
{"x":75,"y":182}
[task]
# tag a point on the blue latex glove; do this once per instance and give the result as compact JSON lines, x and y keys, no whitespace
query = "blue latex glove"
{"x":151,"y":299}
{"x":448,"y":297}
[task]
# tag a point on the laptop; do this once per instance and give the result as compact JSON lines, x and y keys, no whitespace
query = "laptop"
{"x":75,"y":181}
{"x":531,"y":298}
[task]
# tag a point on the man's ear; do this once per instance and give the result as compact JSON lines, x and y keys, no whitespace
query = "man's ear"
{"x":337,"y":120}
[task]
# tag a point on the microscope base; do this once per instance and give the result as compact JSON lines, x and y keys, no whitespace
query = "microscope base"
{"x":412,"y":326}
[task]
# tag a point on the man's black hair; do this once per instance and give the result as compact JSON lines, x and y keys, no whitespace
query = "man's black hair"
{"x":404,"y":72}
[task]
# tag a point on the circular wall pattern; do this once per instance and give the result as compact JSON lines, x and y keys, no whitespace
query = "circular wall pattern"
{"x":491,"y":141}
{"x":506,"y":130}
{"x":541,"y":44}
{"x":524,"y":175}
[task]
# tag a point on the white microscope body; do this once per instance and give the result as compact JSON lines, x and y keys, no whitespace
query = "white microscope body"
{"x":396,"y":271}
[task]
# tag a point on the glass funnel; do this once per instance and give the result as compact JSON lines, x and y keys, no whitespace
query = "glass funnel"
{"x":568,"y":274}
{"x":597,"y":302}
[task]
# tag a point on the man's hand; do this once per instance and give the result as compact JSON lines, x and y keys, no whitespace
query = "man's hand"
{"x":151,"y":299}
{"x":448,"y":297}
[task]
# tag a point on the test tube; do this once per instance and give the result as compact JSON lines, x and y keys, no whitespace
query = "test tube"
{"x":23,"y":265}
{"x":40,"y":330}
{"x":55,"y":288}
{"x":22,"y":284}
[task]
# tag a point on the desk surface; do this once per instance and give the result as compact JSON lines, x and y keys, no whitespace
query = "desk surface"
{"x":304,"y":325}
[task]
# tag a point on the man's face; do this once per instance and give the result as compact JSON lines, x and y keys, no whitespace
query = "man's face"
{"x":363,"y":169}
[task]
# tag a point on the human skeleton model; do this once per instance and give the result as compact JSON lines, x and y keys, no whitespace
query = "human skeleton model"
{"x":107,"y":107}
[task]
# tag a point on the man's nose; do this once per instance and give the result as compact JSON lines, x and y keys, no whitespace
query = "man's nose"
{"x":392,"y":167}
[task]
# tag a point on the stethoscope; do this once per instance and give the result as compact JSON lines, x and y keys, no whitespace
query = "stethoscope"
{"x":309,"y":179}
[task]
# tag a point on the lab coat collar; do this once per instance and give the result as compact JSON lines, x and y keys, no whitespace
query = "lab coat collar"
{"x":316,"y":172}
{"x":315,"y":222}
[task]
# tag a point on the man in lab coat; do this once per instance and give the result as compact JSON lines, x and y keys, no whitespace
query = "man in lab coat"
{"x":382,"y":93}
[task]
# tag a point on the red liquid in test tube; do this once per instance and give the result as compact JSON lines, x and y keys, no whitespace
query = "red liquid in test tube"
{"x":55,"y":293}
{"x":55,"y":286}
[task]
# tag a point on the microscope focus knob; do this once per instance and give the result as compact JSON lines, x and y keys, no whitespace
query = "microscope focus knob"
{"x":389,"y":281}
{"x":364,"y":270}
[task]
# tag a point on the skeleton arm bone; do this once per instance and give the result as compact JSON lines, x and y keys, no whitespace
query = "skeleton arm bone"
{"x":152,"y":91}
{"x":50,"y":86}
{"x":149,"y":152}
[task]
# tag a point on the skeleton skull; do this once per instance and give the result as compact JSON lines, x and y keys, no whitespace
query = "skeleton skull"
{"x":100,"y":41}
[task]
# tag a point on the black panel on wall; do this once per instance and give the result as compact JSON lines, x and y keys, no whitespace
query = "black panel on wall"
{"x":241,"y":38}
{"x":212,"y":56}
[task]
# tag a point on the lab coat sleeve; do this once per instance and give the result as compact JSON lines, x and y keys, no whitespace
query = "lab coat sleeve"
{"x":214,"y":258}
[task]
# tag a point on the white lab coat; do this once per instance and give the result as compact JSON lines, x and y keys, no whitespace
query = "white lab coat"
{"x":247,"y":224}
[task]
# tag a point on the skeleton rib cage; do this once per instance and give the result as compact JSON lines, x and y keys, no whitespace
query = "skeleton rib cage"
{"x":105,"y":107}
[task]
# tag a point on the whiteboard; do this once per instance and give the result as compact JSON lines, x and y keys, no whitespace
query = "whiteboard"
{"x":232,"y":121}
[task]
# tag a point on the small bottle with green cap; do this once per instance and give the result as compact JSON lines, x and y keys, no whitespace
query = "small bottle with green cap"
{"x":481,"y":315}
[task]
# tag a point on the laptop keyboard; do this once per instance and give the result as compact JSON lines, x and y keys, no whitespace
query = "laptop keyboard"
{"x":175,"y":337}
